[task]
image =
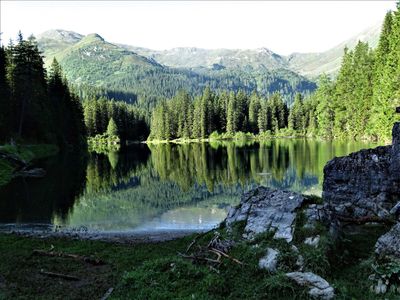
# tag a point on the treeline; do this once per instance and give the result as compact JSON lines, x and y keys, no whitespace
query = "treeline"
{"x":131,"y":122}
{"x":36,"y":106}
{"x":230,"y":113}
{"x":361,"y":102}
{"x":145,"y":82}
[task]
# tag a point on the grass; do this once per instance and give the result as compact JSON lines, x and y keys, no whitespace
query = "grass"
{"x":156,"y":271}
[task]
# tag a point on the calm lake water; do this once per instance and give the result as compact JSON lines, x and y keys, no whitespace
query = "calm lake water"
{"x":163,"y":187}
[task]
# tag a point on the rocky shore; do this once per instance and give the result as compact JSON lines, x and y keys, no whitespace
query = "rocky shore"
{"x":359,"y":189}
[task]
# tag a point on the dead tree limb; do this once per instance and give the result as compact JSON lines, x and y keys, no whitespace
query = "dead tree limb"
{"x":227,"y":256}
{"x":89,"y":260}
{"x":59,"y":275}
{"x":195,"y":240}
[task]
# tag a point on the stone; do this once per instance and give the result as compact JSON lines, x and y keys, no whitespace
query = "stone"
{"x":312,"y":241}
{"x":264,"y":209}
{"x":359,"y":185}
{"x":395,"y":211}
{"x":388,"y":245}
{"x":319,"y":287}
{"x":365,"y":183}
{"x":270,"y":260}
{"x":316,"y":213}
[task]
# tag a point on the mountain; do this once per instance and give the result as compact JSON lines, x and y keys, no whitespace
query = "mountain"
{"x":139,"y":75}
{"x":262,"y":58}
{"x":312,"y":65}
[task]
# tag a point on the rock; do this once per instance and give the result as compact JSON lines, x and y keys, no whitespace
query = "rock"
{"x":365,"y":183}
{"x":380,"y":287}
{"x":395,"y":156}
{"x":319,"y":287}
{"x":312,"y":241}
{"x":359,"y":184}
{"x":270,"y":260}
{"x":395,"y":211}
{"x":300,"y":262}
{"x":388,"y":245}
{"x":264,"y":209}
{"x":316,"y":213}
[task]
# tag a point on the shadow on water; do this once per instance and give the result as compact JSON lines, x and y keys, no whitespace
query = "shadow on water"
{"x":166,"y":186}
{"x":36,"y":200}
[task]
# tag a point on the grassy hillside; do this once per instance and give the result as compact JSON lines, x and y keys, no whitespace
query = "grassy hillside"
{"x":92,"y":61}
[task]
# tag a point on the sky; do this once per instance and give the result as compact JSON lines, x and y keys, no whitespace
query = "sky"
{"x":282,"y":26}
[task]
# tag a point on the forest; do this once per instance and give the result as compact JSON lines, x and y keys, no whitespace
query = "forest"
{"x":36,"y":106}
{"x":39,"y":106}
{"x":358,"y":104}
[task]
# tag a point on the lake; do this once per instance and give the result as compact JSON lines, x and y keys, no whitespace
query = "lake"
{"x":164,"y":187}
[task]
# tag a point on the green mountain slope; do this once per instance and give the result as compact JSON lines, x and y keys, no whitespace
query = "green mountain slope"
{"x":127,"y":75}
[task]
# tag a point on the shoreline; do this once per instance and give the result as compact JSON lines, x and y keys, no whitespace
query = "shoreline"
{"x":117,"y":237}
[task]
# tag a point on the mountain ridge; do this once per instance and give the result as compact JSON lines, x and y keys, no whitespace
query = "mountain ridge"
{"x":310,"y":64}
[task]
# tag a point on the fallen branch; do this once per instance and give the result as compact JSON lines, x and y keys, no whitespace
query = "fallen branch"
{"x":227,"y":256}
{"x":107,"y":294}
{"x":59,"y":275}
{"x":86,"y":259}
{"x":195,"y":240}
{"x":199,"y":258}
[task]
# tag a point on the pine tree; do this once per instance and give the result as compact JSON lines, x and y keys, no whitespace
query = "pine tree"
{"x":254,"y":109}
{"x":112,"y":129}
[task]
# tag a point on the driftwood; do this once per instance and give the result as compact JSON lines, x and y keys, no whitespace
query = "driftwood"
{"x":216,"y":246}
{"x":107,"y":294}
{"x":86,"y":259}
{"x":59,"y":275}
{"x":195,"y":240}
{"x":227,"y":256}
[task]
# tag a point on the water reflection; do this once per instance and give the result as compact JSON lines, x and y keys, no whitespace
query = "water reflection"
{"x":164,"y":187}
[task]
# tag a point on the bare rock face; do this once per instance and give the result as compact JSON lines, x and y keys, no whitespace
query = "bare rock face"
{"x":364,"y":183}
{"x":264,"y":209}
{"x":388,"y":245}
{"x":319,"y":287}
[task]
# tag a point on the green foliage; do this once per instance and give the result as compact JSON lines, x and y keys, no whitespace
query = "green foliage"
{"x":361,"y":102}
{"x":386,"y":277}
{"x":35,"y":107}
{"x":124,"y":75}
{"x":112,"y":129}
{"x":128,"y":122}
{"x":224,"y":116}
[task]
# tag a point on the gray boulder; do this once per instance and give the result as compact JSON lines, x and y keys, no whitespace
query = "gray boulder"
{"x":365,"y":183}
{"x":270,"y":260}
{"x":319,"y":287}
{"x":388,"y":245}
{"x":264,"y":209}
